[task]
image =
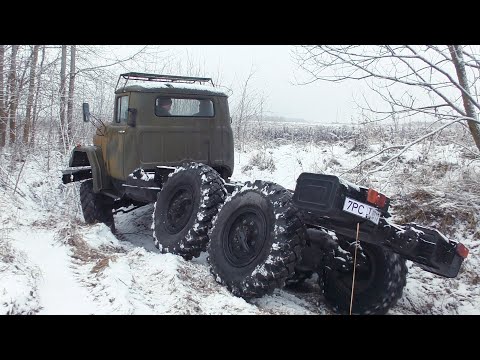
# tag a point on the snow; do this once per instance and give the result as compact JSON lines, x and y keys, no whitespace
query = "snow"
{"x":53,"y":263}
{"x":18,"y":283}
{"x":58,"y":290}
{"x":174,"y":85}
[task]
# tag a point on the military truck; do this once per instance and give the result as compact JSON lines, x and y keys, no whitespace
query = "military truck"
{"x":170,"y":143}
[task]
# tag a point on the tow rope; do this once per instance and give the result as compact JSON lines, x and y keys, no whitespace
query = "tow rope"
{"x":354,"y":267}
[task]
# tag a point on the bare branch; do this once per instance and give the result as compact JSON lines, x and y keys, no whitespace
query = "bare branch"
{"x":448,"y":76}
{"x":112,"y":64}
{"x":373,"y":156}
{"x":407,"y":146}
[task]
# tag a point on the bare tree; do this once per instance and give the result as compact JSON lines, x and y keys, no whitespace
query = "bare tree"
{"x":31,"y":87}
{"x":37,"y":97}
{"x":247,"y":112}
{"x":428,"y":79}
{"x":13,"y":95}
{"x":71,"y":90}
{"x":63,"y":96}
{"x":243,"y":111}
{"x":468,"y":102}
{"x":3,"y":105}
{"x":36,"y":73}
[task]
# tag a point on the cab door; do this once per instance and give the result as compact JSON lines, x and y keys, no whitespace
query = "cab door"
{"x":116,"y":139}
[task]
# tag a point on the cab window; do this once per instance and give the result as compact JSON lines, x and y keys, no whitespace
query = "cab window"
{"x":182,"y":107}
{"x":122,"y":109}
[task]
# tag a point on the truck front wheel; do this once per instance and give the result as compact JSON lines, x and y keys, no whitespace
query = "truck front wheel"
{"x":96,"y":207}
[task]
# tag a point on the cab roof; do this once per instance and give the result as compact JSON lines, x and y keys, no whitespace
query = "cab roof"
{"x":167,"y":84}
{"x":172,"y":88}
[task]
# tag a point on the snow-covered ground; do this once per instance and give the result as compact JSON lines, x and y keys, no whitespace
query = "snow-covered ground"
{"x":52,"y":263}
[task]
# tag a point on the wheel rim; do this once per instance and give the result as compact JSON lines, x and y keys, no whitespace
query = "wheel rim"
{"x":244,"y":236}
{"x":364,"y":273}
{"x":180,"y":209}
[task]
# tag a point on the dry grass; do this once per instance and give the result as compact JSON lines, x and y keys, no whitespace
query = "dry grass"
{"x":470,"y":154}
{"x":102,"y":264}
{"x":6,"y":252}
{"x":48,"y":223}
{"x":188,"y":272}
{"x":15,"y":309}
{"x":421,"y":195}
{"x":440,"y":169}
{"x":263,"y":161}
{"x":84,"y":252}
{"x":425,"y":208}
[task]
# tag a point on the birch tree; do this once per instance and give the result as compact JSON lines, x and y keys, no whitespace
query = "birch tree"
{"x":31,"y":87}
{"x":63,"y":69}
{"x":3,"y":105}
{"x":71,"y":90}
{"x":12,"y":94}
{"x":38,"y":98}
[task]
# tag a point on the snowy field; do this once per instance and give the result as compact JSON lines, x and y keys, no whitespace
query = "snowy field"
{"x":52,"y":263}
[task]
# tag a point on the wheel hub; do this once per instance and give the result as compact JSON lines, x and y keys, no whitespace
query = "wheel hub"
{"x":179,"y":210}
{"x":244,"y":236}
{"x":364,"y":272}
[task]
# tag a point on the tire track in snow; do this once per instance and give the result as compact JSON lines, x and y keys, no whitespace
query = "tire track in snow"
{"x":59,"y":292}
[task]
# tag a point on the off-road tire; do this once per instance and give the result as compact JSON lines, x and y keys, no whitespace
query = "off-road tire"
{"x":380,"y":289}
{"x":184,"y":209}
{"x":256,"y":240}
{"x":96,"y":207}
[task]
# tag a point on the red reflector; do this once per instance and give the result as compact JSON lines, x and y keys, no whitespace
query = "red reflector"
{"x":462,"y":250}
{"x":381,"y":201}
{"x":374,"y":197}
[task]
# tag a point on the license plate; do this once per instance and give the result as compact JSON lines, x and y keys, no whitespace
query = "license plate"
{"x":363,"y":210}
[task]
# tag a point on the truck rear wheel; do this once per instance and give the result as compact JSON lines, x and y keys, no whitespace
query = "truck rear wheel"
{"x":184,"y":209}
{"x":96,"y":207}
{"x":380,"y":277}
{"x":256,"y":240}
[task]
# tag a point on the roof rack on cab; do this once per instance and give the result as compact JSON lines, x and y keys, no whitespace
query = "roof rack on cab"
{"x":162,"y":78}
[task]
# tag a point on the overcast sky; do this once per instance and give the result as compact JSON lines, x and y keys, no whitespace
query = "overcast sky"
{"x":275,"y":74}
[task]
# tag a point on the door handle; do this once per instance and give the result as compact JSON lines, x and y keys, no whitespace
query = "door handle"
{"x":121,"y":131}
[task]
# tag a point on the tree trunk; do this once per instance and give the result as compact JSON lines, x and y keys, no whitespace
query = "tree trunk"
{"x":13,"y":103}
{"x":457,"y":58}
{"x":63,"y":67}
{"x":35,"y":104}
{"x":71,"y":90}
{"x":31,"y":86}
{"x":3,"y":111}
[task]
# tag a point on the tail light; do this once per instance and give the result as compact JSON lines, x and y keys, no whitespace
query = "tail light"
{"x":376,"y":198}
{"x":462,"y":250}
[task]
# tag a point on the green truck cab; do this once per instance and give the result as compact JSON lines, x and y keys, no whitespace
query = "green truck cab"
{"x":142,"y":136}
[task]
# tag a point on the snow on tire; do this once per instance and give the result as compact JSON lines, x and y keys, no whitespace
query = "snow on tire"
{"x":95,"y":207}
{"x":379,"y":282}
{"x":184,"y":209}
{"x":256,"y":240}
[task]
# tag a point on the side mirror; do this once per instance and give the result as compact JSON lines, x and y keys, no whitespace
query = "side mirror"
{"x":86,"y":112}
{"x":132,"y":117}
